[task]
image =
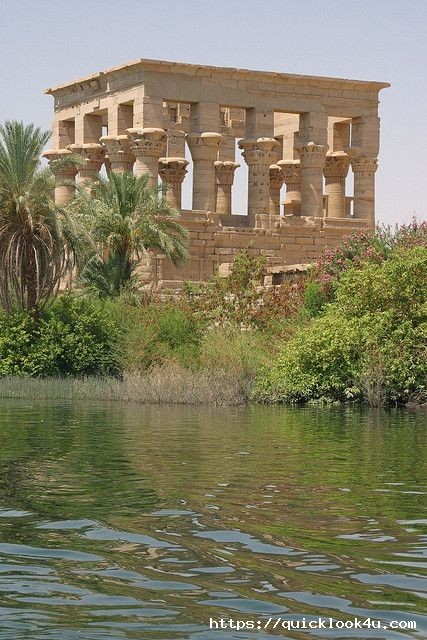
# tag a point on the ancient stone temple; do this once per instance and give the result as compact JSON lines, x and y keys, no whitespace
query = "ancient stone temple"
{"x":297,"y":139}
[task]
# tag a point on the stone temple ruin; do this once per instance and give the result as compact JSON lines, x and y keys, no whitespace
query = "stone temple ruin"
{"x":298,"y":137}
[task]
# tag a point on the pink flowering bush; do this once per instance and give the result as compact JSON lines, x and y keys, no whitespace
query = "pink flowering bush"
{"x":369,"y":247}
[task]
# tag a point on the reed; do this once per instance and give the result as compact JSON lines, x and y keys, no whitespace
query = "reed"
{"x":167,"y":384}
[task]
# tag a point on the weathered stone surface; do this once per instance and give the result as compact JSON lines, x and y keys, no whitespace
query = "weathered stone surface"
{"x":172,"y":172}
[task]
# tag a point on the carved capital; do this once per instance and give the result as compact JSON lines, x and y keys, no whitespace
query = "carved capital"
{"x":118,"y":150}
{"x":291,"y":172}
{"x":276,"y":176}
{"x":173,"y":170}
{"x":362,"y":164}
{"x":259,"y":151}
{"x":150,"y":142}
{"x":336,"y":165}
{"x":224,"y":171}
{"x":93,"y":155}
{"x":205,"y":146}
{"x":69,"y":171}
{"x":312,"y":155}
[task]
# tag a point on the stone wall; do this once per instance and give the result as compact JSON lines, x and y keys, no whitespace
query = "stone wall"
{"x":283,"y":240}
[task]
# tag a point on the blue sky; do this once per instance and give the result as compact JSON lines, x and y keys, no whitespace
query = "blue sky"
{"x":46,"y":42}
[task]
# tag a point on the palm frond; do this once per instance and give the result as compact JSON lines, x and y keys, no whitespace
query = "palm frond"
{"x":127,"y":218}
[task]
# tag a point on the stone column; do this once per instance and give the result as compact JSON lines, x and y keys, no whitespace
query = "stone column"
{"x":119,"y":153}
{"x":292,"y":178}
{"x":335,"y":171}
{"x":364,"y":168}
{"x":204,"y":151}
{"x":259,"y":154}
{"x":148,"y":145}
{"x":312,"y":159}
{"x":224,"y":173}
{"x":276,"y":181}
{"x":93,"y":155}
{"x":172,"y":172}
{"x":63,"y":192}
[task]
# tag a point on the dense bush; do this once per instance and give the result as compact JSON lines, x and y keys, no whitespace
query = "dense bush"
{"x":156,"y":333}
{"x":371,"y":343}
{"x":372,"y":246}
{"x":239,"y":300}
{"x":74,"y":337}
{"x":314,"y":298}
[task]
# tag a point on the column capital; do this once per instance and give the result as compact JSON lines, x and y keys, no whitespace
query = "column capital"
{"x":173,"y":170}
{"x":224,"y":171}
{"x":149,"y":142}
{"x":259,"y":150}
{"x":291,"y":171}
{"x":205,"y":146}
{"x":362,"y":163}
{"x":313,"y":155}
{"x":70,"y":171}
{"x":93,"y":155}
{"x":118,"y":150}
{"x":276,"y":176}
{"x":336,"y":165}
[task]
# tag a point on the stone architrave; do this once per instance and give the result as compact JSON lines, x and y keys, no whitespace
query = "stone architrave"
{"x":292,"y":178}
{"x":224,"y":173}
{"x":204,"y":149}
{"x":93,"y":155}
{"x":276,"y":180}
{"x":148,"y":145}
{"x":259,"y":154}
{"x":364,"y":168}
{"x":120,"y":156}
{"x":65,"y":187}
{"x":312,"y":162}
{"x":335,"y":172}
{"x":172,"y":172}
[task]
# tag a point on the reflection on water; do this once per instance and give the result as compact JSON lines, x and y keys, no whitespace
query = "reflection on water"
{"x":143,"y":522}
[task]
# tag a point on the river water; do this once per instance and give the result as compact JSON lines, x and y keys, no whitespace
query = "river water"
{"x":121,"y":521}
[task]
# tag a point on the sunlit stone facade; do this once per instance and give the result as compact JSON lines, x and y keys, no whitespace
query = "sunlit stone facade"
{"x":297,"y":138}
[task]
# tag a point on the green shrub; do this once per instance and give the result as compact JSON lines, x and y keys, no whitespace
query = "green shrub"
{"x":398,"y":285}
{"x":239,"y":300}
{"x":239,"y":352}
{"x":314,"y":299}
{"x":373,"y":246}
{"x":370,"y":344}
{"x":75,"y":337}
{"x":156,"y":333}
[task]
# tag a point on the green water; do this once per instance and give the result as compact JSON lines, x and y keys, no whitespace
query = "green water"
{"x":120,"y":521}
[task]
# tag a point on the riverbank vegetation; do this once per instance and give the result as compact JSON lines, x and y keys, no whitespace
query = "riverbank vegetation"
{"x":352,"y":329}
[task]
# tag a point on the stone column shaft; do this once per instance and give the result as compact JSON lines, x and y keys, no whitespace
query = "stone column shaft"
{"x":312,"y":159}
{"x":172,"y":172}
{"x":63,"y":192}
{"x":148,"y":145}
{"x":292,"y":177}
{"x":259,"y":154}
{"x":118,"y":150}
{"x":364,"y":168}
{"x":276,"y":181}
{"x":224,"y":172}
{"x":204,"y":152}
{"x":336,"y":169}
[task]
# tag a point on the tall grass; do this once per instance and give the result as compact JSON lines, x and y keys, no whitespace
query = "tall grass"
{"x":167,"y":384}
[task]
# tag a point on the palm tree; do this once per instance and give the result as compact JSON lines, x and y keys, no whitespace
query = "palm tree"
{"x":126,"y":218}
{"x":38,"y":241}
